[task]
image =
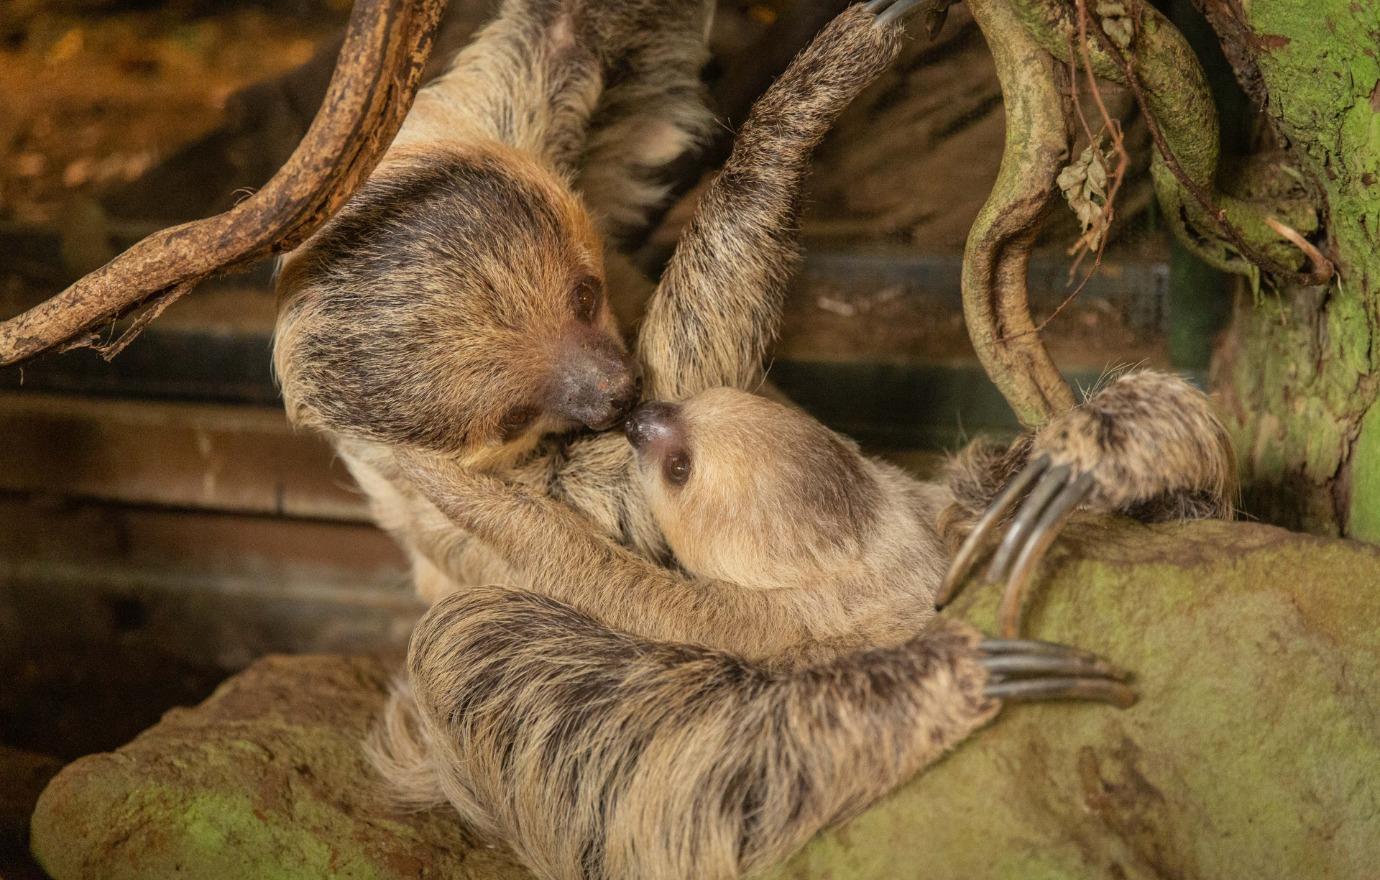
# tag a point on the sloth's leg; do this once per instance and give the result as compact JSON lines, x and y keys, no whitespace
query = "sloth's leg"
{"x":653,"y":111}
{"x":1147,"y":445}
{"x":717,"y":308}
{"x":599,"y":755}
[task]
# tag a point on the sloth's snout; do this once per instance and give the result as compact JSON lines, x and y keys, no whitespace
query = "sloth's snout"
{"x":597,"y":384}
{"x":653,"y":425}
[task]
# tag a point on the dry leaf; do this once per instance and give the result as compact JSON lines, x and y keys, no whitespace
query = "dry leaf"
{"x":1084,"y":185}
{"x":1116,"y":21}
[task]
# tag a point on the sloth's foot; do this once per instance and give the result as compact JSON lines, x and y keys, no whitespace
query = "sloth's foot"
{"x":1147,"y":445}
{"x":1022,"y":670}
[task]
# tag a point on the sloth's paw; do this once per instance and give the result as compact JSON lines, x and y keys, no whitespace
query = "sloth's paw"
{"x":1147,"y":445}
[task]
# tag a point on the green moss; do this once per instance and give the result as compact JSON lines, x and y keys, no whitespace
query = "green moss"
{"x":1319,"y":65}
{"x":1251,"y":753}
{"x":264,"y":780}
{"x":1364,"y":517}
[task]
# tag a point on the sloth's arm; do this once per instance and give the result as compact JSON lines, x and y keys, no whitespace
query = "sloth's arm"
{"x":1147,"y":445}
{"x":558,"y":554}
{"x":717,"y":308}
{"x":522,"y":81}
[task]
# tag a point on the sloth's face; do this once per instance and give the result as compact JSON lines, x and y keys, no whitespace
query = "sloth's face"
{"x":748,"y":490}
{"x":457,"y":304}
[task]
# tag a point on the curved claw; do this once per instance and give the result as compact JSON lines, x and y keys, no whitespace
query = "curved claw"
{"x":1103,"y":690}
{"x":972,"y":547}
{"x":1021,"y":670}
{"x":888,"y":11}
{"x":1034,"y":647}
{"x":1051,"y":522}
{"x":1053,"y":481}
{"x":1016,"y":665}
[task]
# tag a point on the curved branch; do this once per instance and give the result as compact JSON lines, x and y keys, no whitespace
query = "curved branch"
{"x":1227,"y":232}
{"x":996,"y":304}
{"x":376,"y":77}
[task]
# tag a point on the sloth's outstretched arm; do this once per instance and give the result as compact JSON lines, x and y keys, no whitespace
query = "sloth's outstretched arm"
{"x":717,"y":308}
{"x":1147,"y":445}
{"x":525,"y":80}
{"x":599,"y":755}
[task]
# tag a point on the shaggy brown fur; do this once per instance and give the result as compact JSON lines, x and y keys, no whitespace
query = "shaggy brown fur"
{"x":440,"y":330}
{"x":650,"y":724}
{"x":1153,"y":445}
{"x":410,"y":322}
{"x":463,"y":301}
{"x":599,"y":755}
{"x":617,"y":719}
{"x":798,"y":547}
{"x":1151,"y":442}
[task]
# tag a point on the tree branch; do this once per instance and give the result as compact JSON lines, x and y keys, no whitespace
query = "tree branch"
{"x":1229,"y":233}
{"x":376,"y":77}
{"x":996,"y":304}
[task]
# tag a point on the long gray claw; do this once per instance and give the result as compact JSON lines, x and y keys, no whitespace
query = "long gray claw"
{"x":1023,"y":670}
{"x":1051,"y":522}
{"x":1003,"y":668}
{"x":972,"y":547}
{"x":1025,"y":520}
{"x":995,"y":647}
{"x":888,"y":11}
{"x":1104,"y":690}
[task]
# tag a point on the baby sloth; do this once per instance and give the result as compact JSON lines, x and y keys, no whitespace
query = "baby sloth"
{"x":760,"y":495}
{"x":621,"y":720}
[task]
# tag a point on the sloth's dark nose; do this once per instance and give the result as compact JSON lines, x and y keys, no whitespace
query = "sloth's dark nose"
{"x":651,"y":423}
{"x":597,"y":384}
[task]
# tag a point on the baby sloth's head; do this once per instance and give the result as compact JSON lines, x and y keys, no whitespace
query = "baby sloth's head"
{"x":754,"y":492}
{"x":455,"y":303}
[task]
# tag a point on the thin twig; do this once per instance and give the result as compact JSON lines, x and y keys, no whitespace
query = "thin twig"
{"x":1322,"y":266}
{"x":1102,"y":231}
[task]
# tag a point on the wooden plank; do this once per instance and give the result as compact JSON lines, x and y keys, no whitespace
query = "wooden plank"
{"x":853,"y":306}
{"x":232,"y":458}
{"x":66,"y":532}
{"x":207,"y":588}
{"x":873,"y":343}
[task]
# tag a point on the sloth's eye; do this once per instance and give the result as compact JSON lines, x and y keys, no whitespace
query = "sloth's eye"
{"x":676,"y":468}
{"x":585,"y":299}
{"x":515,"y":420}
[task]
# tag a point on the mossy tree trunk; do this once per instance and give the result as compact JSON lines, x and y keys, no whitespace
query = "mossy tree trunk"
{"x":1300,"y":367}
